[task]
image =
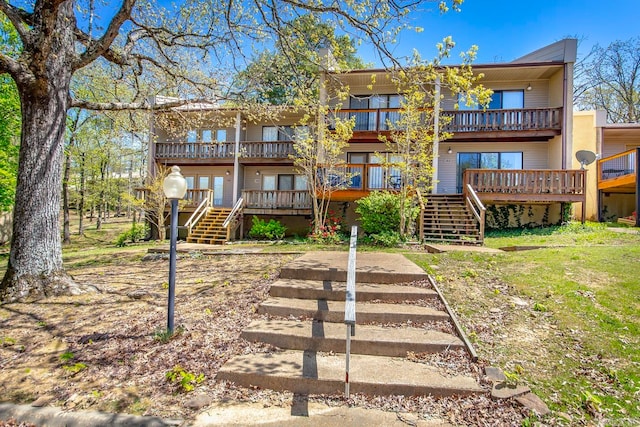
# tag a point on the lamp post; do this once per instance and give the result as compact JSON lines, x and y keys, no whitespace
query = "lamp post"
{"x":174,"y":187}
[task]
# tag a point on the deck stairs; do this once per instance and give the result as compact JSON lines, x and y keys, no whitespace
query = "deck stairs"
{"x":303,"y":318}
{"x":209,"y":229}
{"x":446,"y":218}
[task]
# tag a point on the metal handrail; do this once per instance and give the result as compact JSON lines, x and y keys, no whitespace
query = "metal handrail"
{"x":479,"y":211}
{"x":350,"y":302}
{"x":202,"y":209}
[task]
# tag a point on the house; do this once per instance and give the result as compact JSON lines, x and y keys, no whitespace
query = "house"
{"x":513,"y":159}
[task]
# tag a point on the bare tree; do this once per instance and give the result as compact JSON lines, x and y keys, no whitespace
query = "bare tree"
{"x":609,"y":79}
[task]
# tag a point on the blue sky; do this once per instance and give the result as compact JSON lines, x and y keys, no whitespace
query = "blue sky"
{"x":507,"y":29}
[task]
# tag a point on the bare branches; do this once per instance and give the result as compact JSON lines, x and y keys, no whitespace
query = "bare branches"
{"x":98,"y":47}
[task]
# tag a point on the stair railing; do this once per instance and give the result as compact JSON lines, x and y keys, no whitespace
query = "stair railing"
{"x":474,"y":204}
{"x":233,"y":219}
{"x":202,"y":209}
{"x":350,"y":303}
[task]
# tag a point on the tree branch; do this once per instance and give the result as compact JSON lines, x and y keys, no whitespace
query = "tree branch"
{"x":144,"y":105}
{"x":19,"y":18}
{"x":101,"y":46}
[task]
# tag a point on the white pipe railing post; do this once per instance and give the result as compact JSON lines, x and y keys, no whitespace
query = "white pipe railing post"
{"x":350,"y":303}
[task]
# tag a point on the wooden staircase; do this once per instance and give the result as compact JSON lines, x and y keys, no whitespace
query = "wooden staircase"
{"x":446,"y":218}
{"x":209,"y":230}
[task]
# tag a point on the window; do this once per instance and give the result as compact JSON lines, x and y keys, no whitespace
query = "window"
{"x":190,"y":181}
{"x":278,"y":133}
{"x":285,"y":182}
{"x":192,"y":136}
{"x":370,"y":120}
{"x":501,"y":99}
{"x":486,"y":161}
{"x":206,"y":135}
{"x":203,"y":182}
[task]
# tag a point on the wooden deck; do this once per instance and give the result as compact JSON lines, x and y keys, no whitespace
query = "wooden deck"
{"x":527,"y":186}
{"x":207,"y":152}
{"x":619,"y":173}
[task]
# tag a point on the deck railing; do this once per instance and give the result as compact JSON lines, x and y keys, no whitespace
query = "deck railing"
{"x":363,"y":177}
{"x":530,"y":181}
{"x":195,"y":197}
{"x":195,"y":150}
{"x":266,"y":149}
{"x":477,"y":208}
{"x":519,"y":119}
{"x":276,"y":199}
{"x":224,"y":150}
{"x":618,"y":166}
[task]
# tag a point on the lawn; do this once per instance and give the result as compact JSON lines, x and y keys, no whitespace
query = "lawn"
{"x":563,"y":319}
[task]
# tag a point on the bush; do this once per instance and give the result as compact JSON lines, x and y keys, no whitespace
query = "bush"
{"x":379,"y":212}
{"x":136,"y":232}
{"x":331,"y":232}
{"x":267,"y":230}
{"x":386,"y":238}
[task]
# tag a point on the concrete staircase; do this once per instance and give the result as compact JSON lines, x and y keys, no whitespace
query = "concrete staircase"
{"x":304,"y":319}
{"x":209,"y":230}
{"x":446,"y":218}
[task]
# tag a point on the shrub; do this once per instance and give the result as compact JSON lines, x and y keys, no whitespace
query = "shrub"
{"x":137,"y":232}
{"x":386,"y":238}
{"x":379,"y":212}
{"x":267,"y":230}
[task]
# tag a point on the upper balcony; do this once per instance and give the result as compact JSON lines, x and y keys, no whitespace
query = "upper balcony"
{"x":223,"y":152}
{"x":619,"y":173}
{"x":468,"y":125}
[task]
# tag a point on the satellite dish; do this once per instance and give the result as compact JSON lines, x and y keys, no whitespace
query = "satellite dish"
{"x":585,"y":157}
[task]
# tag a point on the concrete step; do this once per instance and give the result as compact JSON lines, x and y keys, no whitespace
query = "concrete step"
{"x":326,"y":336}
{"x":371,"y":267}
{"x":335,"y":291}
{"x":309,"y":372}
{"x":333,"y":311}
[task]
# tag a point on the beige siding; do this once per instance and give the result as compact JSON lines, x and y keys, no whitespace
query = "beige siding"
{"x":534,"y":156}
{"x":253,"y":181}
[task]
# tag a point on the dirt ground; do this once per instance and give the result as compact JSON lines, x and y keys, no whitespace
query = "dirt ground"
{"x":106,"y":351}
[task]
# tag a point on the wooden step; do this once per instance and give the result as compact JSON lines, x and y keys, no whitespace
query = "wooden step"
{"x":309,"y":372}
{"x":327,"y":336}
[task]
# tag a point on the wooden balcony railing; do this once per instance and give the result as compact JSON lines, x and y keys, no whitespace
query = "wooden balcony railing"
{"x":521,"y":119}
{"x":195,"y":197}
{"x":537,"y":185}
{"x":619,"y":170}
{"x":195,"y":150}
{"x":363,"y":177}
{"x":276,"y":199}
{"x":504,"y":120}
{"x":266,"y":149}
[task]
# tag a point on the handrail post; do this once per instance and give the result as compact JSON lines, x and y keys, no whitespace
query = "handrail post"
{"x":350,"y":303}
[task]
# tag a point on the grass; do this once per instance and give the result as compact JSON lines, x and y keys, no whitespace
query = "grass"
{"x":567,"y":314}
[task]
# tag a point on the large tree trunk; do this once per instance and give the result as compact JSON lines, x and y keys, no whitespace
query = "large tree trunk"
{"x":35,"y":261}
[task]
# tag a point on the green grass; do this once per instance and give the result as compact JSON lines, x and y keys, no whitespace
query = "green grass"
{"x":583,"y":307}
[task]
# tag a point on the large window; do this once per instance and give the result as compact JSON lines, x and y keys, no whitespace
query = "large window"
{"x":500,"y":100}
{"x":486,"y":161}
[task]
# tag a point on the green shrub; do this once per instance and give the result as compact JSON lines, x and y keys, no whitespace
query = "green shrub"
{"x":267,"y":230}
{"x":137,"y":232}
{"x":379,"y":212}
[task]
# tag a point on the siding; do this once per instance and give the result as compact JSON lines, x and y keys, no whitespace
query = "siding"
{"x":534,"y":156}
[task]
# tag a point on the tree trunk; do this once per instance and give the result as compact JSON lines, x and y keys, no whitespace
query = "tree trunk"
{"x":35,"y":260}
{"x":66,"y":232}
{"x":81,"y":202}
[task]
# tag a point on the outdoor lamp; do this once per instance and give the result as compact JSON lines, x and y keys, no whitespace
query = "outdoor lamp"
{"x":174,"y":187}
{"x":449,"y":151}
{"x":529,"y":87}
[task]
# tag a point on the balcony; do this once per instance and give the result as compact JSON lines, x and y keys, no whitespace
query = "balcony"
{"x":618,"y":173}
{"x":205,"y":152}
{"x":283,"y":202}
{"x":527,"y":186}
{"x":524,"y":123}
{"x":352,"y":181}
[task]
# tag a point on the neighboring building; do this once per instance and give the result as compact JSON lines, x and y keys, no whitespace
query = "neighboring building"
{"x":517,"y":155}
{"x":613,"y":180}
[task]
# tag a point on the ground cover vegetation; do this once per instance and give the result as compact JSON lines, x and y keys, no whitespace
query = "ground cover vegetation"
{"x":562,"y":319}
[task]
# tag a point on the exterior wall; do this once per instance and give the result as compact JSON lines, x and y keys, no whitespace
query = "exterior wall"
{"x":554,"y":153}
{"x":534,"y":156}
{"x":537,"y":97}
{"x":211,"y":171}
{"x":586,"y":137}
{"x":616,"y":206}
